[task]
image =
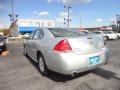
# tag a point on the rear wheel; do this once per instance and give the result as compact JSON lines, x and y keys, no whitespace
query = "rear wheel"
{"x":42,"y":66}
{"x":106,"y":38}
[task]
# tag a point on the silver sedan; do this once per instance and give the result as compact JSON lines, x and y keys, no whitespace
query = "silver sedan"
{"x":64,"y":51}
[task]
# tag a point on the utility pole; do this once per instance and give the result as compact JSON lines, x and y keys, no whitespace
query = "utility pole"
{"x":118,"y":22}
{"x":13,"y":19}
{"x":13,"y":15}
{"x":68,"y":16}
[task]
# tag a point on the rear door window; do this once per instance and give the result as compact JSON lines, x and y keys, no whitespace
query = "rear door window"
{"x":31,"y":35}
{"x":38,"y":34}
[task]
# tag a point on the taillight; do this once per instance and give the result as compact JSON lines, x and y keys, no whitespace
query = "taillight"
{"x":63,"y":46}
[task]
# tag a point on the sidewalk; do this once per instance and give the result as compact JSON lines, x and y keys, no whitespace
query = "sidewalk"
{"x":14,"y":40}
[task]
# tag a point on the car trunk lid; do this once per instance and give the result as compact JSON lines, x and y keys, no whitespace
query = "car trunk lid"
{"x":83,"y":44}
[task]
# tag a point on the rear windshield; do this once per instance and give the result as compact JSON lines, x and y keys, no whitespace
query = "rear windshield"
{"x":60,"y":32}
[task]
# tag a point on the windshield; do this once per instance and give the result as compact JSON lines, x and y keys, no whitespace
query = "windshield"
{"x":60,"y":32}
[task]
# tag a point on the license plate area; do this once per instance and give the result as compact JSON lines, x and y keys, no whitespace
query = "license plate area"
{"x":94,"y":60}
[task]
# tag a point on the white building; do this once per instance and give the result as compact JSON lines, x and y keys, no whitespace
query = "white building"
{"x":35,"y":23}
{"x":29,"y":25}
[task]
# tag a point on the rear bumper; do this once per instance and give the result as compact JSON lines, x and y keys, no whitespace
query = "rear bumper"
{"x":68,"y":63}
{"x":107,"y":54}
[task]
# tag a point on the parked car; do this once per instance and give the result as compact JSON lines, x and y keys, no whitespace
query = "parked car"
{"x":106,"y":34}
{"x":65,"y":51}
{"x":91,"y":33}
{"x":26,"y":35}
{"x":3,"y":46}
{"x":117,"y":34}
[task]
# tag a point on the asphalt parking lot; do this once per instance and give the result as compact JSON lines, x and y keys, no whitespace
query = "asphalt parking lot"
{"x":18,"y":72}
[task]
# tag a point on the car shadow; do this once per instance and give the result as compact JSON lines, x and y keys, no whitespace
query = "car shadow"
{"x":63,"y":78}
{"x":104,"y":73}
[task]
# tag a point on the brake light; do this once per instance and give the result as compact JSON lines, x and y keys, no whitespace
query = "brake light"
{"x":63,"y":46}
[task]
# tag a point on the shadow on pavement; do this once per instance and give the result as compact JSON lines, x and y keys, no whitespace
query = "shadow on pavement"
{"x":105,"y":73}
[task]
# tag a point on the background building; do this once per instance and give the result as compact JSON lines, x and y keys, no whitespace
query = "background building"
{"x":28,"y":25}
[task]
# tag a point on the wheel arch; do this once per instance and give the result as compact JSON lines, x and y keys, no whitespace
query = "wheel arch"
{"x":39,"y":53}
{"x":107,"y":37}
{"x":118,"y":36}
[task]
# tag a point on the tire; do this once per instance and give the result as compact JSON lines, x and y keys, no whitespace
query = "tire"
{"x":42,"y":65}
{"x":106,"y":38}
{"x":118,"y":37}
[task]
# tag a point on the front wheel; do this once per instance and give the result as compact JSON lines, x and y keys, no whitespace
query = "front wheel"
{"x":42,"y":66}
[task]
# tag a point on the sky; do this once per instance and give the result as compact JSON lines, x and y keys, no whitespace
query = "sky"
{"x":87,"y":13}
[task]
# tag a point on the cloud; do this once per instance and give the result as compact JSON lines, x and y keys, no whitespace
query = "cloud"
{"x":99,"y":19}
{"x":34,"y":12}
{"x":69,"y":2}
{"x":61,"y":17}
{"x":63,"y":14}
{"x":49,"y":1}
{"x":59,"y":20}
{"x":44,"y":13}
{"x":74,"y":1}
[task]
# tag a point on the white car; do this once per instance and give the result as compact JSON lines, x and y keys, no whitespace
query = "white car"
{"x":26,"y":35}
{"x":94,"y":34}
{"x":108,"y":35}
{"x":117,"y":34}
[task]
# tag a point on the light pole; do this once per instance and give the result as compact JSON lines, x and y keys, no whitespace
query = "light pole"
{"x":118,"y":22}
{"x":12,"y":10}
{"x":68,"y":16}
{"x":12,"y":15}
{"x":14,"y":20}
